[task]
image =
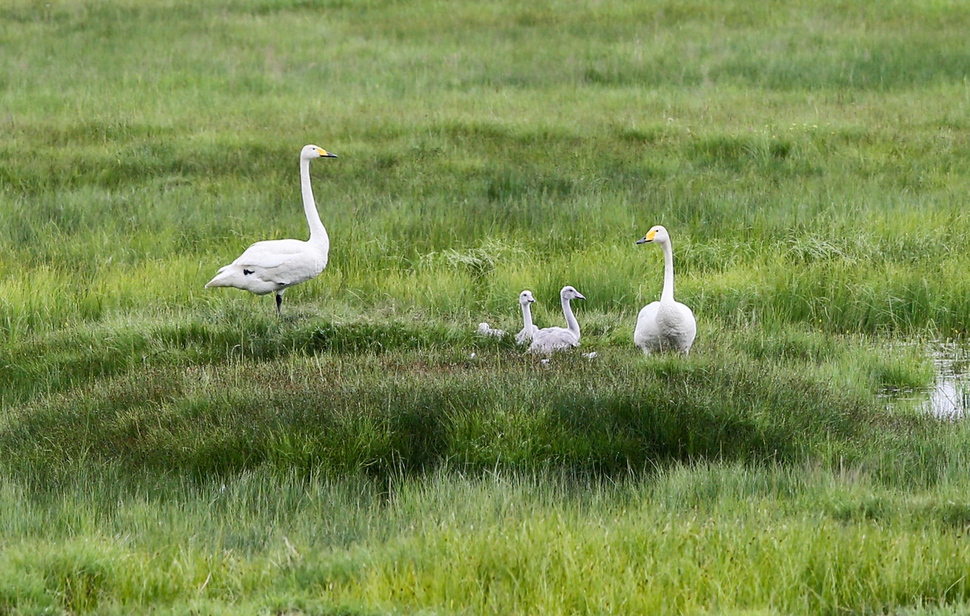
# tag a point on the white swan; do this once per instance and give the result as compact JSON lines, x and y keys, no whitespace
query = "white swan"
{"x":551,"y":339}
{"x":528,"y":330}
{"x":667,"y":324}
{"x":273,"y":266}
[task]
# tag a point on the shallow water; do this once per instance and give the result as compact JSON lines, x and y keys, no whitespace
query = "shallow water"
{"x":949,"y":396}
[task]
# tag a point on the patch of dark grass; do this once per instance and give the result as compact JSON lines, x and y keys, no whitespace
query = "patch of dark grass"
{"x":870,"y":508}
{"x":75,"y":357}
{"x":374,"y":337}
{"x":509,"y":185}
{"x":138,"y":155}
{"x":891,"y":508}
{"x":952,"y":514}
{"x":732,"y":151}
{"x":386,"y":416}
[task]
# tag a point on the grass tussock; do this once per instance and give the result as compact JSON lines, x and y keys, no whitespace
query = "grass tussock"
{"x":395,"y":398}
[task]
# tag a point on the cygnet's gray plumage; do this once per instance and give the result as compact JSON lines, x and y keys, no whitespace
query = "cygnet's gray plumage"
{"x":528,"y":330}
{"x":552,"y":339}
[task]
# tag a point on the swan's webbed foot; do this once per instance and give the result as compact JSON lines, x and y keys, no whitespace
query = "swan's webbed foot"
{"x":279,"y":304}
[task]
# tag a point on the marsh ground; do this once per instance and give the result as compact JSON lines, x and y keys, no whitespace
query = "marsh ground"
{"x":170,"y":449}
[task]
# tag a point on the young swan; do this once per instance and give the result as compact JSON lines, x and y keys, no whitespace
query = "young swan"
{"x":275,"y":265}
{"x":484,"y":329}
{"x":667,"y":324}
{"x":551,"y":339}
{"x":528,"y":329}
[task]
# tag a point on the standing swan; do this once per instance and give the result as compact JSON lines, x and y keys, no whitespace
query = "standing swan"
{"x":273,"y":266}
{"x":551,"y":339}
{"x":666,"y":324}
{"x":528,"y":330}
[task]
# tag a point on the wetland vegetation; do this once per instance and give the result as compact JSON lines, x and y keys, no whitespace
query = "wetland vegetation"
{"x":170,"y":449}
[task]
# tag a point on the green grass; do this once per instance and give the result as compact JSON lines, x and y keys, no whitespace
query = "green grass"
{"x":790,"y":541}
{"x":414,"y":410}
{"x":173,"y":449}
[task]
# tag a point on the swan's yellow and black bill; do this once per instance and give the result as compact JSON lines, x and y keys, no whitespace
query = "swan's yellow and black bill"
{"x":326,"y":154}
{"x":647,"y":238}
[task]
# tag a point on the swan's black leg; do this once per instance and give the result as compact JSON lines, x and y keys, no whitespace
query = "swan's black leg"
{"x":279,"y":304}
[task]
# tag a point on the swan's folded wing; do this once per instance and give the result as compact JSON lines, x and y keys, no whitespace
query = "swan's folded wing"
{"x":283,"y":263}
{"x":553,"y":339}
{"x":526,"y":334}
{"x":272,"y":254}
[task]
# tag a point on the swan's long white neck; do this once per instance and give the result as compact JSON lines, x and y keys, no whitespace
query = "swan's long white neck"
{"x":571,"y":323}
{"x":668,"y":291}
{"x":318,"y":233}
{"x":527,"y":315}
